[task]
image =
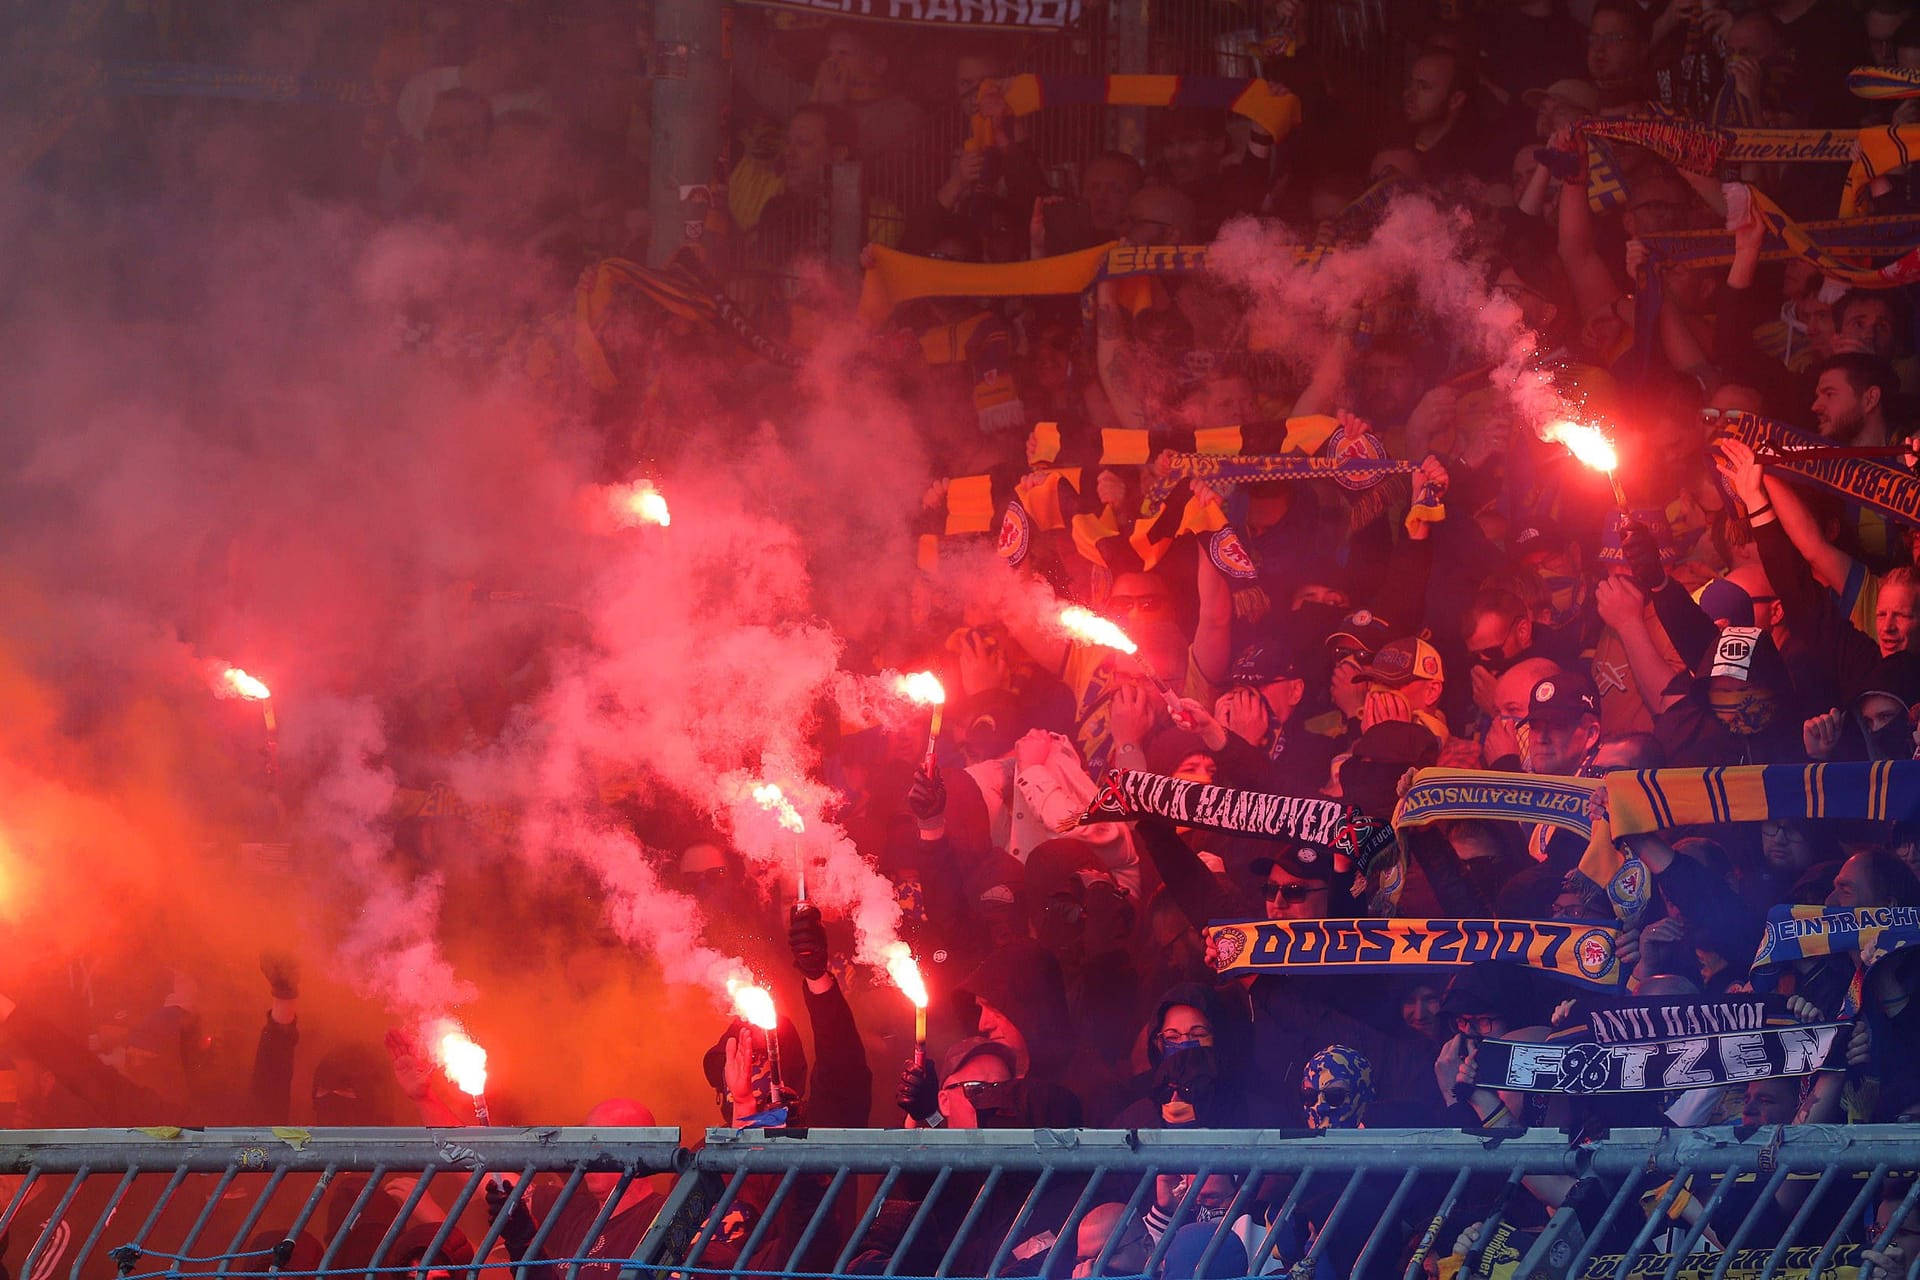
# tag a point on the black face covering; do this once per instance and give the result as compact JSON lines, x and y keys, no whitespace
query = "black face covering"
{"x":1189,"y":1074}
{"x":1892,"y":742}
{"x":999,"y":1104}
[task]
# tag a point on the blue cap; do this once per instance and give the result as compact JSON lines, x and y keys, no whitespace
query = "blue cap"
{"x":1726,"y":603}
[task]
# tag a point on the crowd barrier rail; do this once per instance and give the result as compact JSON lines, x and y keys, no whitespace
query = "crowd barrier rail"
{"x":166,"y":1204}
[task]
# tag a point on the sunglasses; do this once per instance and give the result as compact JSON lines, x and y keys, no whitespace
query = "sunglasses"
{"x":1332,"y":1097}
{"x":1292,"y":891}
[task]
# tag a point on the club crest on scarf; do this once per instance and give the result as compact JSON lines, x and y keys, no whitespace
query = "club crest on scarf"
{"x":1229,"y":555}
{"x":1016,"y":533}
{"x":1593,"y":952}
{"x":1630,"y":889}
{"x":1355,"y":442}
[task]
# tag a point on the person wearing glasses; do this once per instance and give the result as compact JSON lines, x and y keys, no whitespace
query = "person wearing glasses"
{"x":1197,"y":1051}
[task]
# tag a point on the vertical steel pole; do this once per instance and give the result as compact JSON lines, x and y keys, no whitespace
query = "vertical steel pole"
{"x":689,"y":103}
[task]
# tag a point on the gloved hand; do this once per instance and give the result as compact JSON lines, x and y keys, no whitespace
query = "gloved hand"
{"x":519,"y":1228}
{"x":807,"y":939}
{"x":927,"y":797}
{"x":1642,"y":554}
{"x":917,"y":1095}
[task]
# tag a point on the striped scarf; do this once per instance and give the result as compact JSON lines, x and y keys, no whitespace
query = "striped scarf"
{"x":1886,"y":489}
{"x":1454,"y":795}
{"x":1704,"y":148}
{"x":682,"y":288}
{"x":1892,"y":236}
{"x":1800,"y":933}
{"x":1278,"y":112}
{"x":1648,"y":800}
{"x":1879,"y":84}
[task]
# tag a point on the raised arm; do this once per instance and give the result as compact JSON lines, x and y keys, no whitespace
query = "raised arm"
{"x":1110,"y":358}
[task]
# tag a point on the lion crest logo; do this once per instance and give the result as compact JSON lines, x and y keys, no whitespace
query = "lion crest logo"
{"x":1594,"y":953}
{"x":1356,"y":443}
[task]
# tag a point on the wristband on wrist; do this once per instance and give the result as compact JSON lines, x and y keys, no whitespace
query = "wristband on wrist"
{"x":1765,"y":508}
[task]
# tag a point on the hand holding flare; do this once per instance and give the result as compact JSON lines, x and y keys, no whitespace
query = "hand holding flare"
{"x":465,"y":1063}
{"x":905,"y":972}
{"x":1591,"y":448}
{"x":1089,"y":627}
{"x":923,"y":689}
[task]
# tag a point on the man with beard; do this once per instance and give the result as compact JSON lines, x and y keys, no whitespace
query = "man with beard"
{"x":1850,"y":399}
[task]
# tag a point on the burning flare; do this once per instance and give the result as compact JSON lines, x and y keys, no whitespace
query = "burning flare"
{"x":1088,"y":626}
{"x":774,"y":801}
{"x":235,"y":683}
{"x":905,"y":972}
{"x":922,"y":688}
{"x":755,"y":1004}
{"x":640,"y":503}
{"x":1588,"y":444}
{"x":464,"y":1061}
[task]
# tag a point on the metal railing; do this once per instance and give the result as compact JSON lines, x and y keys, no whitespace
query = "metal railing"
{"x":165,"y":1203}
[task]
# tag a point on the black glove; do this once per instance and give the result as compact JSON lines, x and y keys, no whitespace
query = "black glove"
{"x":927,"y":797}
{"x":519,"y":1229}
{"x":807,"y":939}
{"x":1642,"y":554}
{"x":917,"y":1095}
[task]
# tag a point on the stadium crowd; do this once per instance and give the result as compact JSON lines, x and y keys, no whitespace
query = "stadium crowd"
{"x":1491,"y":606}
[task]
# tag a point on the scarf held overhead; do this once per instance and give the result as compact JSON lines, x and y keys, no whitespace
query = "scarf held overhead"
{"x":1888,"y":490}
{"x":1703,"y":148}
{"x":1798,"y":933}
{"x":1275,"y":110}
{"x":1579,"y":953}
{"x":1656,"y":1066}
{"x":1642,"y":801}
{"x":1325,"y":824}
{"x":1439,"y":795}
{"x":953,"y":15}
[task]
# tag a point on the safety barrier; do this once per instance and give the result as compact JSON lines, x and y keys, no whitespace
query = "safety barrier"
{"x":1678,"y":1203}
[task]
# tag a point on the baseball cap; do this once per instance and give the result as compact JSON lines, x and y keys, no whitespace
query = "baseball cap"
{"x":1567,"y":696}
{"x":1575,"y":93}
{"x":961,"y":1052}
{"x":1538,"y":537}
{"x":1726,"y":603}
{"x":1260,"y":664}
{"x":1302,"y":862}
{"x":1403,"y":661}
{"x":1364,"y":628}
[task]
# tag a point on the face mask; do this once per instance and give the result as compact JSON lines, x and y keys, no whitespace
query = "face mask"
{"x":1744,"y":713}
{"x":1336,"y":1088}
{"x":1564,"y":598}
{"x":1183,"y":1083}
{"x":1891,"y":742}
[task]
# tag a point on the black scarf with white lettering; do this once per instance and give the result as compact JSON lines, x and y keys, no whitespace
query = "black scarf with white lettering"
{"x":1656,"y":1044}
{"x":1327,"y":824}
